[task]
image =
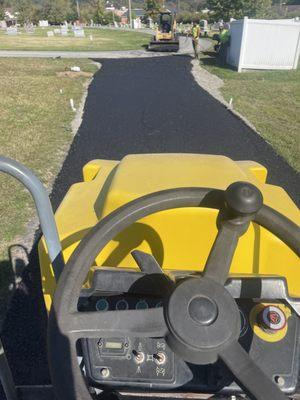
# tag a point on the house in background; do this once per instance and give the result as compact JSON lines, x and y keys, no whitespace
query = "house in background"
{"x":137,"y":14}
{"x":10,"y":19}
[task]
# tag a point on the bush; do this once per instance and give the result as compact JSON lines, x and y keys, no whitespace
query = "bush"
{"x":189,"y":17}
{"x":106,"y":18}
{"x":56,"y":11}
{"x":2,"y":14}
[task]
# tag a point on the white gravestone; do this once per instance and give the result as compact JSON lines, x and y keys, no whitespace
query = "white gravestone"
{"x":12,"y":31}
{"x":79,"y":33}
{"x":29,"y":28}
{"x":64,"y":30}
{"x":43,"y":24}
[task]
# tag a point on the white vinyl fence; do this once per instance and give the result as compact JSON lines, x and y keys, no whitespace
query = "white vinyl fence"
{"x":264,"y":44}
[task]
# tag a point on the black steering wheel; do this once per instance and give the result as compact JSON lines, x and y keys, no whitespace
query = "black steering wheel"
{"x":199,"y":320}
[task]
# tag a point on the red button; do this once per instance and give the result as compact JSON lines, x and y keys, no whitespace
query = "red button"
{"x":273,"y":318}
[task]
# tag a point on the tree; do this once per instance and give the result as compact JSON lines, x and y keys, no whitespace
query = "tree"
{"x":99,"y":13}
{"x":56,"y":11}
{"x":26,"y":11}
{"x":87,"y":13}
{"x":293,"y":2}
{"x":152,"y":8}
{"x":2,"y":14}
{"x":227,"y":9}
{"x":257,"y":8}
{"x":189,"y":17}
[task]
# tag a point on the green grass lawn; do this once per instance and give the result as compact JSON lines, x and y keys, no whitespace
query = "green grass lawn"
{"x":102,"y":40}
{"x":270,"y":100}
{"x":34,"y":128}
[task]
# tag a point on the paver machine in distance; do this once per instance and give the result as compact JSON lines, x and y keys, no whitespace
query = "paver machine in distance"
{"x":165,"y":38}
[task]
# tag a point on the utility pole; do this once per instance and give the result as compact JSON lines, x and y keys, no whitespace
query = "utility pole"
{"x":130,"y":13}
{"x":78,"y":9}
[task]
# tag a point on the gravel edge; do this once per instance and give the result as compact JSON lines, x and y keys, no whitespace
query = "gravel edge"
{"x":212,"y":84}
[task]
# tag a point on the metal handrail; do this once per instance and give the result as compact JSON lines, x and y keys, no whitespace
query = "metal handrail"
{"x":49,"y":229}
{"x":43,"y":207}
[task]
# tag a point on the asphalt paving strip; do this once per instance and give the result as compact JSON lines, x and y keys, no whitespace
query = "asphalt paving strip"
{"x":148,"y":105}
{"x":155,"y":106}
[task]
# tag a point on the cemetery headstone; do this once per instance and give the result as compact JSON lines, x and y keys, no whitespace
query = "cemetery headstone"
{"x":43,"y":24}
{"x":3,"y":24}
{"x":64,"y":30}
{"x":29,"y":28}
{"x":79,"y":33}
{"x":12,"y":31}
{"x":137,"y":23}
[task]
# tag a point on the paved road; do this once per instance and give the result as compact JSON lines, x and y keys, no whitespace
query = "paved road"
{"x":185,"y":48}
{"x":78,"y":54}
{"x":135,"y":106}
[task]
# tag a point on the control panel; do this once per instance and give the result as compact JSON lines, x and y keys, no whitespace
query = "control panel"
{"x":148,"y":362}
{"x":269,"y":332}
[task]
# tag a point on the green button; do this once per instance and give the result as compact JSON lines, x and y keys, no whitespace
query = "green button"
{"x":141,"y":305}
{"x":102,"y":305}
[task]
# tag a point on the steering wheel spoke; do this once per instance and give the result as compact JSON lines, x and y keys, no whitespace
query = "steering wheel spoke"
{"x":249,"y":375}
{"x":242,"y":201}
{"x":219,"y":260}
{"x":146,"y":262}
{"x":135,"y":323}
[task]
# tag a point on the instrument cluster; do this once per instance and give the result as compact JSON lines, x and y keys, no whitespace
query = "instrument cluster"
{"x":118,"y":302}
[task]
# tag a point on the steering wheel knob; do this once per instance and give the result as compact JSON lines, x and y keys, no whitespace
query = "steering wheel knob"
{"x":243,"y":198}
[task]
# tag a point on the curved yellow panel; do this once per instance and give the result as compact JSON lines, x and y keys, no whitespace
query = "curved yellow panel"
{"x":181,"y":238}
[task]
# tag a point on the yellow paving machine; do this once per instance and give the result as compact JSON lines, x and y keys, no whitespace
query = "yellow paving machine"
{"x":165,"y":38}
{"x":165,"y":275}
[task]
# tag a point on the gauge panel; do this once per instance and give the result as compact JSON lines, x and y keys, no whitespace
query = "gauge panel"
{"x":138,"y":363}
{"x":119,"y":302}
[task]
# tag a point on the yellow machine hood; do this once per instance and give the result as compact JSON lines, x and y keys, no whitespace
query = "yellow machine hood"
{"x":179,"y":239}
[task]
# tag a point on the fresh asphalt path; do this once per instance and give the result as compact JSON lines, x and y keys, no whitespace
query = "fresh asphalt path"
{"x":135,"y":106}
{"x":154,"y":105}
